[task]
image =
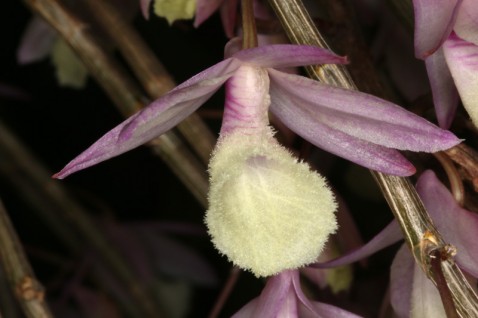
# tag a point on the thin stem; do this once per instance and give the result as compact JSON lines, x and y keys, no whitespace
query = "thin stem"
{"x":225,"y":292}
{"x":149,"y":70}
{"x":399,"y":192}
{"x":28,"y":291}
{"x":437,"y":257}
{"x":454,"y":178}
{"x":124,"y":93}
{"x":249,"y":30}
{"x":65,"y":216}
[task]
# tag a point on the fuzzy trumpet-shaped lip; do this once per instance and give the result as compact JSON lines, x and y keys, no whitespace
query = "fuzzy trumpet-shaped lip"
{"x":283,"y":297}
{"x":445,"y":94}
{"x":359,"y":127}
{"x":267,"y":211}
{"x":461,"y":57}
{"x":434,"y":20}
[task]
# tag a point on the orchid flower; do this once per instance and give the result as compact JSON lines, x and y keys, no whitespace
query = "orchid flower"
{"x":412,"y":293}
{"x":186,"y":9}
{"x":446,"y":37}
{"x":283,"y":297}
{"x":267,"y":211}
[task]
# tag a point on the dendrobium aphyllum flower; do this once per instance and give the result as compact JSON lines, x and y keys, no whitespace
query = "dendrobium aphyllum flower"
{"x":268,"y":212}
{"x":446,"y":37}
{"x":283,"y":297}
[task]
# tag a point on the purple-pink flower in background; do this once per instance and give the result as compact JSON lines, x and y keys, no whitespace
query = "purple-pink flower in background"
{"x":267,"y":211}
{"x":446,"y":37}
{"x":283,"y":297}
{"x":412,"y":293}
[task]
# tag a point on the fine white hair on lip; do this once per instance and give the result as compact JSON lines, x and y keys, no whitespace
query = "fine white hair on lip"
{"x":267,"y":211}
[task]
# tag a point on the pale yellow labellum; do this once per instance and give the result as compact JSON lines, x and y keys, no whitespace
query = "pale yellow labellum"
{"x":267,"y":211}
{"x":70,"y":71}
{"x":174,"y":10}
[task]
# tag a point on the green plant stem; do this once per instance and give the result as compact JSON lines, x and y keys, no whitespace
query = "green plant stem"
{"x":27,"y":289}
{"x":399,"y":192}
{"x":124,"y":93}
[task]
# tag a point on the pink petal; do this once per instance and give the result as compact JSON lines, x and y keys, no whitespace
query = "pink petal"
{"x":466,"y":26}
{"x":401,"y":281}
{"x":313,"y":309}
{"x":445,"y":95}
{"x":388,"y":236}
{"x":160,"y":116}
{"x":434,"y":20}
{"x":325,"y":311}
{"x":287,"y":55}
{"x":458,"y":226}
{"x":364,"y":116}
{"x":277,"y":292}
{"x":204,"y":9}
{"x":425,"y":299}
{"x":462,"y":59}
{"x":37,"y":41}
{"x":144,"y":5}
{"x":361,"y":152}
{"x":228,"y":14}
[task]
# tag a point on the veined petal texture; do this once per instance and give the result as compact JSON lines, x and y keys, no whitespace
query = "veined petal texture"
{"x":466,"y":26}
{"x":434,"y":20}
{"x":160,"y":116}
{"x":445,"y":95}
{"x":462,"y":59}
{"x":288,"y":55}
{"x":363,"y":116}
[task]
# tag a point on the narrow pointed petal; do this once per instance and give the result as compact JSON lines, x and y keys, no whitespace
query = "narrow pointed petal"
{"x":361,"y":152}
{"x":466,"y":26}
{"x":204,"y":9}
{"x":458,"y":226}
{"x":274,"y":296}
{"x":388,"y":236}
{"x":313,"y":309}
{"x":462,"y":59}
{"x":287,"y":55}
{"x":445,"y":95}
{"x":363,"y":116}
{"x":144,"y":5}
{"x":434,"y":20}
{"x":228,"y":12}
{"x":326,"y":311}
{"x":401,"y":282}
{"x":37,"y":41}
{"x":160,"y":116}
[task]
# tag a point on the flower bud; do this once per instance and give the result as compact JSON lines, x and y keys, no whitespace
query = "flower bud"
{"x":267,"y":211}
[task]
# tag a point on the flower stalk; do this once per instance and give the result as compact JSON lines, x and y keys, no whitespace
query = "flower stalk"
{"x":398,"y":191}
